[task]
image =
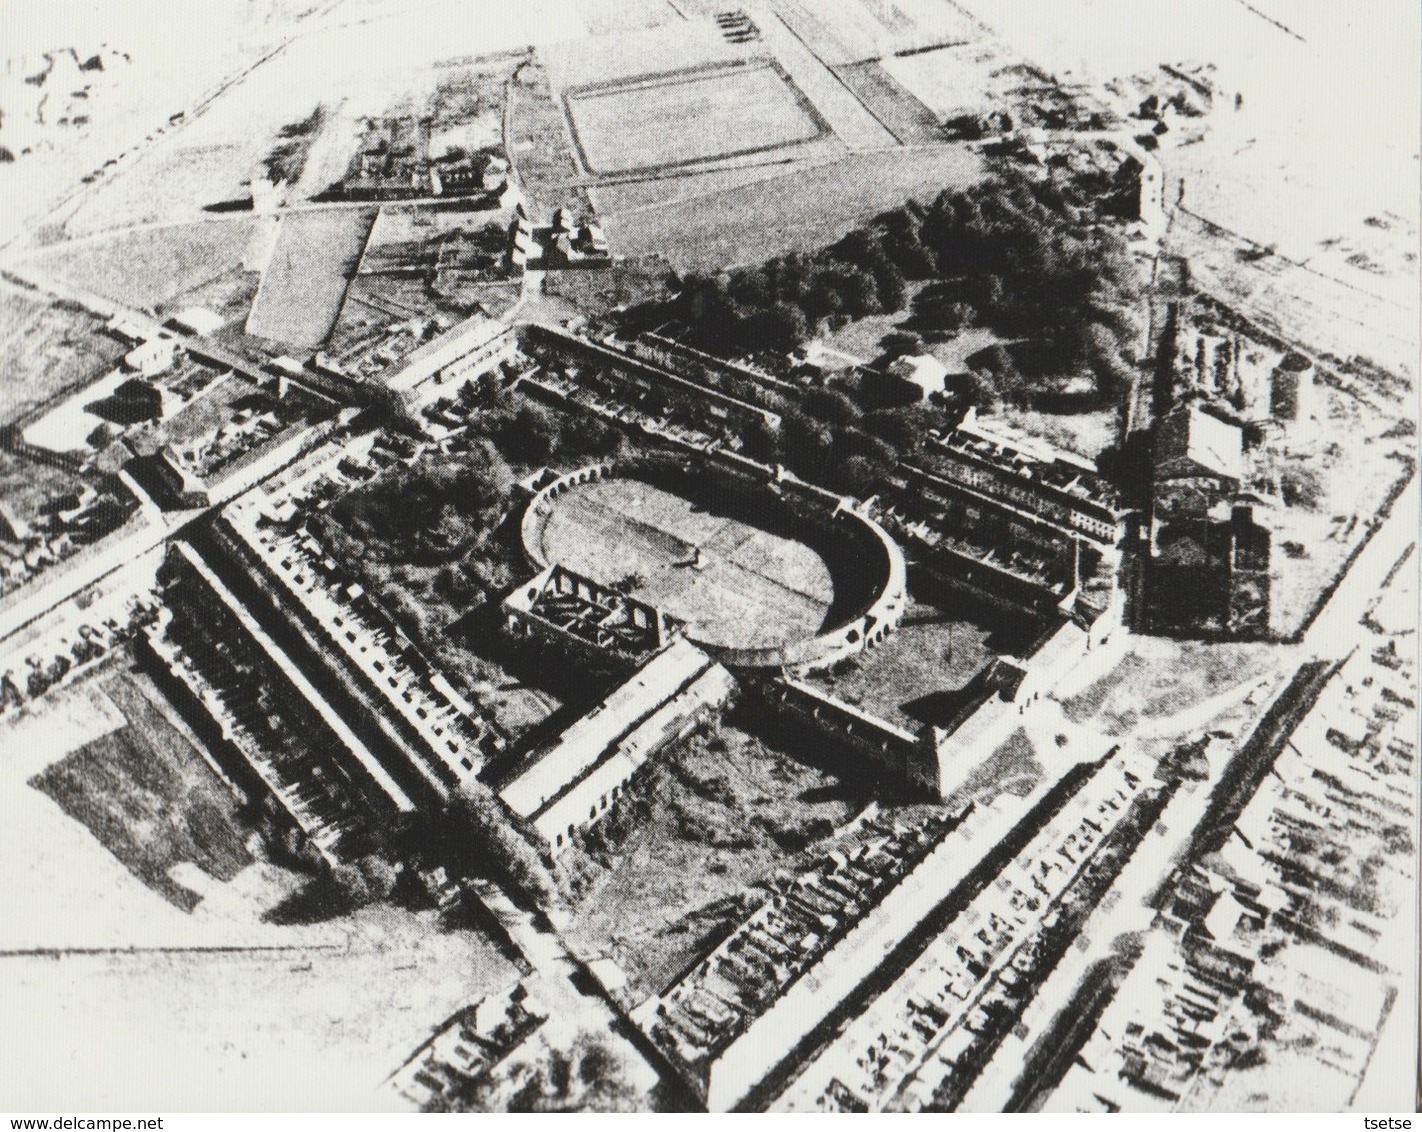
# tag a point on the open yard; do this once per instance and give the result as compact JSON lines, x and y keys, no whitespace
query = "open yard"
{"x":147,"y":795}
{"x":914,"y":677}
{"x":749,"y":589}
{"x":683,"y":117}
{"x":663,"y":875}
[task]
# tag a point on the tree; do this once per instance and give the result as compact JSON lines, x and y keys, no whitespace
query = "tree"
{"x":478,"y":838}
{"x":859,"y":476}
{"x":807,"y":444}
{"x":832,"y":406}
{"x":531,"y":435}
{"x":900,"y":343}
{"x":903,"y":429}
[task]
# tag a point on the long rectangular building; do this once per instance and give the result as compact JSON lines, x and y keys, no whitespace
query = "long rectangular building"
{"x":571,"y":782}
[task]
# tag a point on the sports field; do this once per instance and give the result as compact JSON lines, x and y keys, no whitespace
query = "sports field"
{"x":749,"y":589}
{"x":682,"y":117}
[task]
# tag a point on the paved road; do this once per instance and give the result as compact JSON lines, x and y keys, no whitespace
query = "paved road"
{"x":1334,"y":632}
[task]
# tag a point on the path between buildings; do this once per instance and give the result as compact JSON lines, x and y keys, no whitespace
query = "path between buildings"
{"x":578,"y":1011}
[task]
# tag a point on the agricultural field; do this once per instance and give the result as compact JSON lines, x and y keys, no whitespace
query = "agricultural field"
{"x":748,"y":588}
{"x":848,"y":117}
{"x":49,"y":349}
{"x":304,"y":285}
{"x":667,"y":870}
{"x":690,"y":116}
{"x":903,"y":115}
{"x":539,"y":148}
{"x":147,"y":267}
{"x":805,"y":209}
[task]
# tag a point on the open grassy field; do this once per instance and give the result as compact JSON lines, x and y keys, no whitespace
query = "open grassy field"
{"x":1161,"y":677}
{"x":149,"y":798}
{"x":911,"y":679}
{"x":49,"y":349}
{"x":753,"y":589}
{"x":305,"y":282}
{"x":684,"y":117}
{"x":146,"y":267}
{"x":663,"y":874}
{"x":803,"y":209}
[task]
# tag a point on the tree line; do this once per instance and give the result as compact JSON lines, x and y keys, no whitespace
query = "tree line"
{"x":1007,"y":252}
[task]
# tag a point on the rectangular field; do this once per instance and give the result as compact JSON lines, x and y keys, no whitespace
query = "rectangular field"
{"x":684,"y":117}
{"x":800,"y":210}
{"x":896,"y":109}
{"x":305,"y":282}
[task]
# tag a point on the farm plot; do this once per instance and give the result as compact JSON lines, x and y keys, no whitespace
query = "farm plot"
{"x":684,"y":117}
{"x":305,"y":282}
{"x":49,"y":349}
{"x":896,"y":109}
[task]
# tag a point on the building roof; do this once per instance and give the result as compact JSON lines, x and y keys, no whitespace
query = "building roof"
{"x":1191,"y":442}
{"x":579,"y":748}
{"x":923,"y":370}
{"x":197,"y":320}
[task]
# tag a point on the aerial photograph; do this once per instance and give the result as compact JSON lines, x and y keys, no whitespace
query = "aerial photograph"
{"x":709,"y":556}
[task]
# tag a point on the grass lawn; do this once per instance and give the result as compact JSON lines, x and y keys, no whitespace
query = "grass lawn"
{"x":149,"y":797}
{"x":665,"y":872}
{"x":689,"y":116}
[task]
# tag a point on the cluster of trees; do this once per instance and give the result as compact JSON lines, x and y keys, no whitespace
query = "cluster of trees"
{"x":776,"y":305}
{"x":424,"y":512}
{"x":844,"y":437}
{"x":1006,"y":252}
{"x":530,"y":434}
{"x":476,"y":838}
